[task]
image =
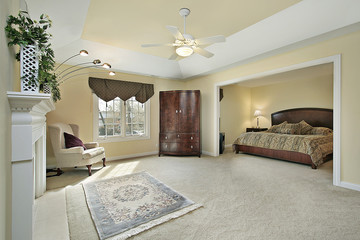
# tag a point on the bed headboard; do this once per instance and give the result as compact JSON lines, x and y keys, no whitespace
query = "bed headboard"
{"x":316,"y":117}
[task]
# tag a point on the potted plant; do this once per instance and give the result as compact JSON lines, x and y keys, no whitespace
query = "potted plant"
{"x":33,"y":39}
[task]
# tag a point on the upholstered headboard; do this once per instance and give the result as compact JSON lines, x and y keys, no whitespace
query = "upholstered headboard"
{"x":316,"y":117}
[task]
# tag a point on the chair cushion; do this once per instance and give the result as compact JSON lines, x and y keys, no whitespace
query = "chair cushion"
{"x":93,"y":152}
{"x":72,"y":141}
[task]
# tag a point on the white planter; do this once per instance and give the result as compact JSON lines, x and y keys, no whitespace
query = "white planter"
{"x":28,"y":63}
{"x":46,"y":89}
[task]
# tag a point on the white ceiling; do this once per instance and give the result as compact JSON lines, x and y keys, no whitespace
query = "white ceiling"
{"x":113,"y":30}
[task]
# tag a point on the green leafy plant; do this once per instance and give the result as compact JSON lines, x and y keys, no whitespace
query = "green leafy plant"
{"x":23,"y":31}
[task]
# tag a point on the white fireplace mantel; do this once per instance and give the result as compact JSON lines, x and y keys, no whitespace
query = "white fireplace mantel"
{"x":28,"y":133}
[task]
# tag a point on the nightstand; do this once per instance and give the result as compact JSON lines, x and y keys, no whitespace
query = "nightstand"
{"x":256,"y":129}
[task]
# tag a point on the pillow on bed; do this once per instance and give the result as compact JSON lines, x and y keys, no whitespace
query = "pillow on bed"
{"x":320,"y":131}
{"x":275,"y":128}
{"x":286,"y":128}
{"x":305,"y":128}
{"x":290,"y":128}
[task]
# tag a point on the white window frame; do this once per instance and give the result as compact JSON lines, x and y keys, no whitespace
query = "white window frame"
{"x":101,"y":139}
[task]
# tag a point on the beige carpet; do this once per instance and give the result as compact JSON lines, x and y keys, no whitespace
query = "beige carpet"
{"x":244,"y":197}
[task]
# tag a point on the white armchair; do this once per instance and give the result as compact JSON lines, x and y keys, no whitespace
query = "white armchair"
{"x":75,"y":156}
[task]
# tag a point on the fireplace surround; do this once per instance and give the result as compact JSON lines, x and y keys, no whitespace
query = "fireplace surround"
{"x":28,"y":161}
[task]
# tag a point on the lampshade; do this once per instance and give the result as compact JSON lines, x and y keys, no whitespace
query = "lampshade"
{"x":184,"y":51}
{"x":81,"y":53}
{"x":71,"y":71}
{"x":106,"y":65}
{"x":257,"y":113}
{"x":84,"y":53}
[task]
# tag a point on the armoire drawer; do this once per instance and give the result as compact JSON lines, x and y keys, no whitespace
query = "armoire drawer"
{"x":169,"y":147}
{"x":168,"y":137}
{"x":188,"y":137}
{"x":189,"y":147}
{"x":179,"y":137}
{"x":179,"y":147}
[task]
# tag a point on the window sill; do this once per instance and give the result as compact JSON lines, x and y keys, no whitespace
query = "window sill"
{"x":121,"y":139}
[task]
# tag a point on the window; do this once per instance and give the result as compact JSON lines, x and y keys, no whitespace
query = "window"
{"x":117,"y":120}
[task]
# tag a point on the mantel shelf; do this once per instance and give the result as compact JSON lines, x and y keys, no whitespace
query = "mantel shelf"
{"x":25,"y":101}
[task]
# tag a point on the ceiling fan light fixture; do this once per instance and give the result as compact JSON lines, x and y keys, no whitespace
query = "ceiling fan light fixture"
{"x":184,"y":51}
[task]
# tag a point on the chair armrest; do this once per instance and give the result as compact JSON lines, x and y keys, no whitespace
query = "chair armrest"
{"x":91,"y":145}
{"x":72,"y":150}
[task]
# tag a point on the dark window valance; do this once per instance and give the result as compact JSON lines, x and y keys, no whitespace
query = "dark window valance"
{"x":108,"y":89}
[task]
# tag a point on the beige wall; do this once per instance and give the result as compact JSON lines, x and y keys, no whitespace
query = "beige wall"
{"x":349,"y":48}
{"x":316,"y":92}
{"x":346,"y":45}
{"x":76,"y":106}
{"x":235,"y":110}
{"x":7,"y":63}
{"x":239,"y":104}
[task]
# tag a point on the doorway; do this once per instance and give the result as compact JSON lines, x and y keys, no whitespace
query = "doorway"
{"x":336,"y":62}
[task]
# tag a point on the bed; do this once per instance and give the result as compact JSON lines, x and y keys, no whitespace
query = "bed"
{"x":302,"y":135}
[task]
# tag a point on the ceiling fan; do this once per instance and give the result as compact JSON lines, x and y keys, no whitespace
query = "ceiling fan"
{"x":185,"y":44}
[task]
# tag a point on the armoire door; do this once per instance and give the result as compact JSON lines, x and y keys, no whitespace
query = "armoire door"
{"x":189,"y":116}
{"x":169,"y":111}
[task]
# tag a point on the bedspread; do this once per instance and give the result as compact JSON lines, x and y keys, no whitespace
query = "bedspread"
{"x":317,"y":146}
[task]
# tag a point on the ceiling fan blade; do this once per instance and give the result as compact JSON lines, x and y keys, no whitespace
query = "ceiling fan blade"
{"x":203,"y":52}
{"x":157,"y":45}
{"x":210,"y":40}
{"x":174,"y":56}
{"x":175,"y":31}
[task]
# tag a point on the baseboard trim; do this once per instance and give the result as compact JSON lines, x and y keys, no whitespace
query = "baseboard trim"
{"x":50,"y":166}
{"x":131,"y":156}
{"x":350,"y":186}
{"x":119,"y":157}
{"x":208,"y":153}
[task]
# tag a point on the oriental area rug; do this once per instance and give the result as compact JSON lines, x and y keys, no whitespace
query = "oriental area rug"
{"x":125,"y":206}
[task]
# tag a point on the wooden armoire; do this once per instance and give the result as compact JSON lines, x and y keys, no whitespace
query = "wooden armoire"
{"x":180,"y":123}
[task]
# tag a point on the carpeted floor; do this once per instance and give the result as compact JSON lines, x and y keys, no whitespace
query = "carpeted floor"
{"x":244,"y":197}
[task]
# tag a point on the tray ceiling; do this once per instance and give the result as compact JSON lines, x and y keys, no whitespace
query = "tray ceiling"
{"x":128,"y":24}
{"x":113,"y":30}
